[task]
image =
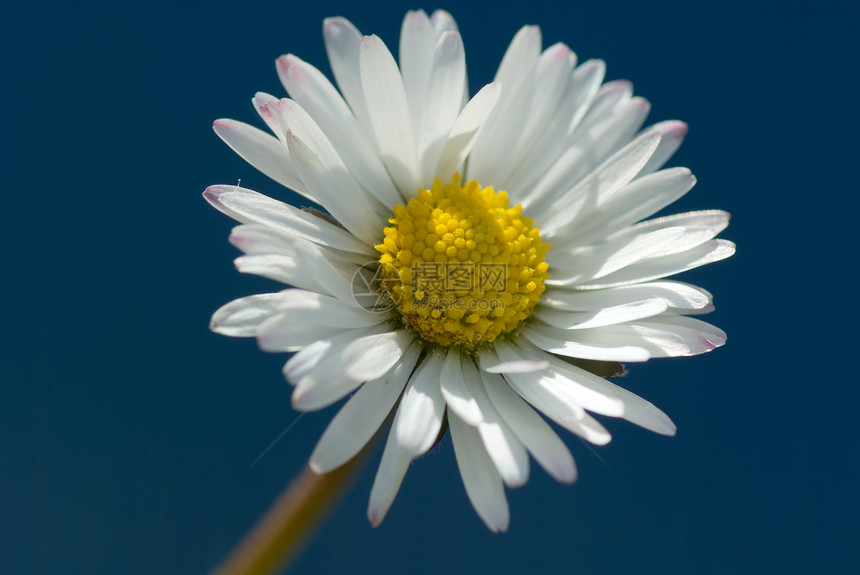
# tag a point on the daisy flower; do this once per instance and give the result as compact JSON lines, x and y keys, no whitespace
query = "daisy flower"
{"x":502,"y":240}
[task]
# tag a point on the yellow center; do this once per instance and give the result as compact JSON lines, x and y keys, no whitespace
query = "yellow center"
{"x":460,"y":265}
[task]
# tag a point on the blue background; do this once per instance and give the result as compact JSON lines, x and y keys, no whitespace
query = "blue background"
{"x":127,"y":429}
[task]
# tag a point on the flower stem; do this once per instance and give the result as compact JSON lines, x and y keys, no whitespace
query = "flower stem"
{"x":298,"y":511}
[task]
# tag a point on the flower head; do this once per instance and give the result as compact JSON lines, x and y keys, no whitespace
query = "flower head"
{"x":500,"y":239}
{"x":462,"y":267}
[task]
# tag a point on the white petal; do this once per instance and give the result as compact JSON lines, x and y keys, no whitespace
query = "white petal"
{"x":444,"y":98}
{"x":592,"y":431}
{"x":281,"y":333}
{"x":389,"y":476}
{"x":567,"y":383}
{"x":343,"y":44}
{"x":453,"y":385}
{"x":616,"y":125}
{"x":521,"y":56}
{"x":507,"y":452}
{"x":327,"y":310}
{"x":555,"y":340}
{"x":663,"y":266}
{"x":518,"y":366}
{"x":313,"y":395}
{"x":285,"y":269}
{"x":562,"y":411}
{"x":482,"y":481}
{"x":677,"y":295}
{"x":553,"y":70}
{"x":264,"y":152}
{"x":304,"y":314}
{"x":558,"y":410}
{"x":608,"y":316}
{"x":528,"y":394}
{"x":538,"y":437}
{"x":672,"y":133}
{"x":359,"y":419}
{"x":388,"y":111}
{"x":248,"y":207}
{"x":262,"y":239}
{"x":584,"y":266}
{"x":324,"y":271}
{"x":635,"y":409}
{"x":585,"y":427}
{"x":609,"y":99}
{"x":419,"y":417}
{"x":350,"y":359}
{"x":661,"y":336}
{"x":643,"y":413}
{"x":699,"y":227}
{"x":493,"y":152}
{"x":538,"y":391}
{"x":299,"y":123}
{"x":315,"y":94}
{"x":581,"y":89}
{"x":584,"y":156}
{"x":337,"y":190}
{"x":466,"y":129}
{"x":550,"y":84}
{"x":417,"y":40}
{"x":639,"y":199}
{"x":309,"y":358}
{"x":242,"y":317}
{"x":265,"y":239}
{"x":267,"y":106}
{"x":326,"y":387}
{"x":372,"y":356}
{"x":442,"y":22}
{"x":699,"y":336}
{"x":606,"y":180}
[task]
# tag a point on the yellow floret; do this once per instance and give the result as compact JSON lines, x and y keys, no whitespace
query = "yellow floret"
{"x":461,"y":266}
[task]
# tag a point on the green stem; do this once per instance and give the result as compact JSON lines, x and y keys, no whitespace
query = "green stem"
{"x":295,"y":515}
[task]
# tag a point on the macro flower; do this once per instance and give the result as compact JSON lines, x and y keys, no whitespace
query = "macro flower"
{"x":478,"y":263}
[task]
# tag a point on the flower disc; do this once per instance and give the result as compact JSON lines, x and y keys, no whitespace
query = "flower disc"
{"x":460,"y":265}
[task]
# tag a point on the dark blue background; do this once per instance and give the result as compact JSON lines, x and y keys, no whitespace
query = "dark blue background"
{"x":127,"y":429}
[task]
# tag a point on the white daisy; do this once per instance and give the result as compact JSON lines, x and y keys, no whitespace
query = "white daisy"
{"x":494,"y":306}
